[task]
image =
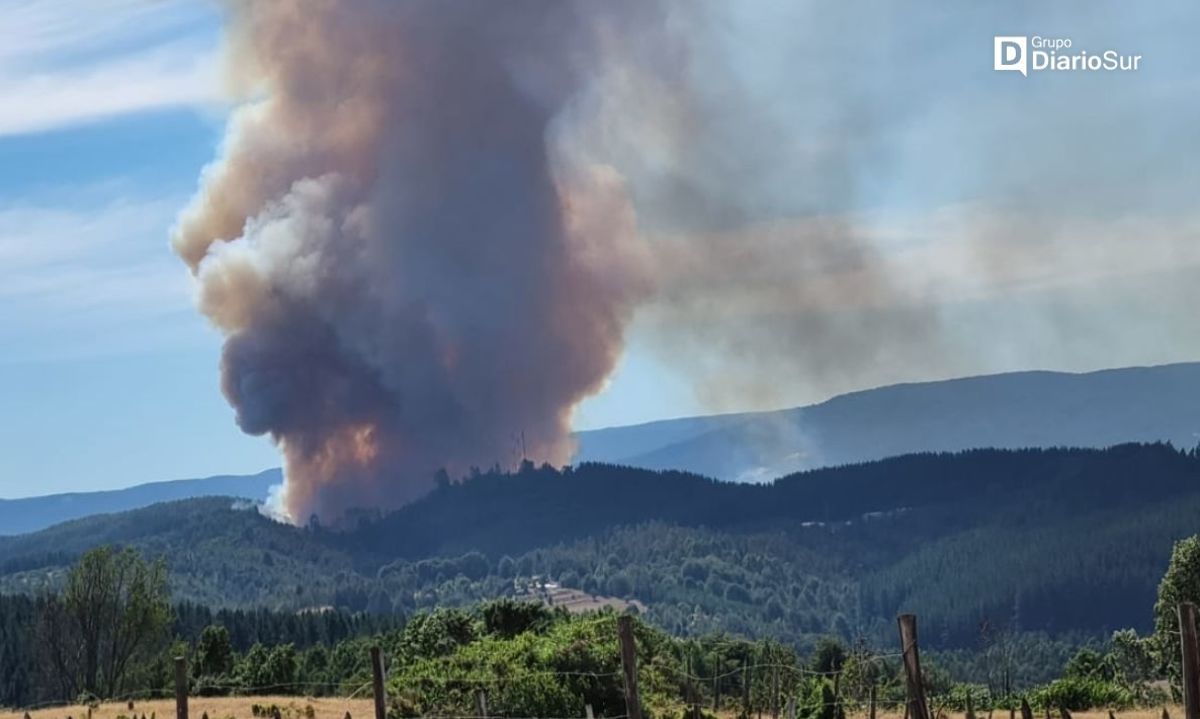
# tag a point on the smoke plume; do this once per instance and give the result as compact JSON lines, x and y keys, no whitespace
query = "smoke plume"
{"x":407,"y":278}
{"x":420,"y":239}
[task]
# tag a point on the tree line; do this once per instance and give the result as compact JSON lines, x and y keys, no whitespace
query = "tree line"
{"x":111,"y":633}
{"x":830,"y":552}
{"x":112,"y":629}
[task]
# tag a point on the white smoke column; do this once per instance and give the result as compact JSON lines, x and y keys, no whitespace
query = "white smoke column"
{"x":407,"y":276}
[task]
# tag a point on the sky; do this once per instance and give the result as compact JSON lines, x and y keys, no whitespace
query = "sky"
{"x":108,"y":376}
{"x":1018,"y":222}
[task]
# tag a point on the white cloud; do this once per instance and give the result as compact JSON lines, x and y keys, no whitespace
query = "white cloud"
{"x":36,"y":30}
{"x":36,"y":236}
{"x":91,"y":280}
{"x":75,"y":61}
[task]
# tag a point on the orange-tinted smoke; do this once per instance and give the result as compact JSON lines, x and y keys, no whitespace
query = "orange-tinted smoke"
{"x":406,"y":276}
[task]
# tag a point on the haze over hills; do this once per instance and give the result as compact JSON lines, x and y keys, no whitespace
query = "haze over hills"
{"x":1021,"y":409}
{"x":30,"y":514}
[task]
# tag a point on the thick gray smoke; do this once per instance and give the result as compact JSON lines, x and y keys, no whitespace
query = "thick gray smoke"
{"x":406,"y":277}
{"x":421,"y":242}
{"x":844,"y":195}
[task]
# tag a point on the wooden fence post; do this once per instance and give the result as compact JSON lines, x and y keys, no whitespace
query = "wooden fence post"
{"x":871,"y":706}
{"x":1191,"y":672}
{"x":377,"y":682}
{"x":481,"y":706}
{"x":633,"y":706}
{"x":181,"y":688}
{"x":746,"y":679}
{"x":693,"y":695}
{"x":912,"y":666}
{"x":775,"y":692}
{"x":837,"y":692}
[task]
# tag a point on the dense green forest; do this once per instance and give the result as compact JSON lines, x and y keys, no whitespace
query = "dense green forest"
{"x":975,"y":542}
{"x":121,"y":641}
{"x":23,"y":680}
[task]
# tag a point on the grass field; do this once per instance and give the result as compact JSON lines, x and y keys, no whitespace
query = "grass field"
{"x":214,"y":707}
{"x":336,"y":708}
{"x":1176,"y":712}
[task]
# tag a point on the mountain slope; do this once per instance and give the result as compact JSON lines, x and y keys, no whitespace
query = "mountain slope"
{"x":1000,"y":535}
{"x":220,"y":551}
{"x":1022,"y":409}
{"x":18,"y":516}
{"x":1025,"y":409}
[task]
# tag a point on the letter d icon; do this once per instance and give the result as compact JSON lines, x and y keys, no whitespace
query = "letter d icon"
{"x":1009,"y":54}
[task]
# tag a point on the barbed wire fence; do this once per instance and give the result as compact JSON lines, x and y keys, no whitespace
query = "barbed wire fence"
{"x":782,"y":689}
{"x":786,"y":680}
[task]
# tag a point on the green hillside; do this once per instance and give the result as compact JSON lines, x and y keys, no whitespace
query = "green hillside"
{"x":1012,"y":538}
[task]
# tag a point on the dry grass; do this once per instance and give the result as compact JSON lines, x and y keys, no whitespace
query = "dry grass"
{"x":215,"y":707}
{"x":1176,"y":712}
{"x":336,"y":708}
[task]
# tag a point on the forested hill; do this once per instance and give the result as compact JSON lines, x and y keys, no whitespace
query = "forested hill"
{"x":29,"y":514}
{"x":535,"y":507}
{"x":996,"y":535}
{"x":1015,"y":410}
{"x":1012,"y":410}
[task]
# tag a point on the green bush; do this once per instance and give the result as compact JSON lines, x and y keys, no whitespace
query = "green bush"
{"x":956,"y":698}
{"x":1081,"y":693}
{"x":821,"y":702}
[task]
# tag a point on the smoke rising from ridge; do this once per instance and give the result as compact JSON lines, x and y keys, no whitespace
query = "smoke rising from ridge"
{"x":406,"y":278}
{"x":435,"y":226}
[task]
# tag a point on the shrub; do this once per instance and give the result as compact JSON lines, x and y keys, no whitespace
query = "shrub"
{"x":958,"y":694}
{"x":821,"y":702}
{"x":1081,"y":693}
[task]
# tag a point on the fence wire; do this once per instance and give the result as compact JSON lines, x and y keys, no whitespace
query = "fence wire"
{"x":784,"y":682}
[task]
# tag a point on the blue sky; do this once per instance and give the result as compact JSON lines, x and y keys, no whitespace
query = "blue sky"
{"x":108,"y":375}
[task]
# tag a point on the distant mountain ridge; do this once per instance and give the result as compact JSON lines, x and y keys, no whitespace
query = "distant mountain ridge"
{"x":1018,"y":409}
{"x":1014,"y":410}
{"x":18,"y":516}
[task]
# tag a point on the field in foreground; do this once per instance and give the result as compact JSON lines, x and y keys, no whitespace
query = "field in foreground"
{"x":1176,"y":712}
{"x":291,"y":707}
